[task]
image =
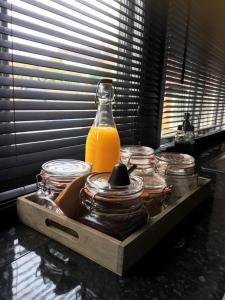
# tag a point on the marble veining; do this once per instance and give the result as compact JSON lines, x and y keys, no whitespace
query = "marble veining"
{"x":189,"y":264}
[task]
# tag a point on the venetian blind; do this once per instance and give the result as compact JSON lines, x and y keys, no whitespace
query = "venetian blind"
{"x":195,"y":66}
{"x":52,"y":55}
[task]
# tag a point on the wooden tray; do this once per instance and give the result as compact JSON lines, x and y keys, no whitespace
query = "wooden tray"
{"x":115,"y":255}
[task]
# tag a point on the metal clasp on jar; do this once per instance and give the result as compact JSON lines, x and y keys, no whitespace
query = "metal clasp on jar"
{"x":84,"y":201}
{"x":166,"y":193}
{"x":41,"y":184}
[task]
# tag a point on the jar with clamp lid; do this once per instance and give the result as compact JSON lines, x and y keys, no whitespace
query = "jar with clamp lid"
{"x":156,"y":192}
{"x":55,"y":175}
{"x":114,"y":210}
{"x":179,"y":171}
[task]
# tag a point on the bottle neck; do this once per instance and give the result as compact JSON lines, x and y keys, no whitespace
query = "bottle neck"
{"x":104,"y":116}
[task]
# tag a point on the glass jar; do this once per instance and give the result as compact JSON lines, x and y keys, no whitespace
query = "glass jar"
{"x":135,"y":154}
{"x":182,"y":184}
{"x":185,"y":133}
{"x":179,"y":171}
{"x":156,"y":193}
{"x":55,"y":175}
{"x":116,"y":211}
{"x":175,"y":163}
{"x":156,"y":200}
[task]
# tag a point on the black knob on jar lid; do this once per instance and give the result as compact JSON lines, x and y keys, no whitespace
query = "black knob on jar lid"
{"x":119,"y":176}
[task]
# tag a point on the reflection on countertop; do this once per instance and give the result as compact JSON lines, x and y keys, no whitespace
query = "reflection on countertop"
{"x":188,"y":264}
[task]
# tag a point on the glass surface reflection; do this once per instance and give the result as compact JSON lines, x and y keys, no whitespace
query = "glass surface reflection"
{"x":47,"y":274}
{"x":33,"y":267}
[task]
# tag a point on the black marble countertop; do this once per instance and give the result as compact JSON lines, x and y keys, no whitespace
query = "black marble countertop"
{"x":188,"y":264}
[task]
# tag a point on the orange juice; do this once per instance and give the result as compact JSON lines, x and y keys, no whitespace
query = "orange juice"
{"x":102,"y":148}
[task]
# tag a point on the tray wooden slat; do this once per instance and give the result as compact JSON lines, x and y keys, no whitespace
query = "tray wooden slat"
{"x":115,"y":255}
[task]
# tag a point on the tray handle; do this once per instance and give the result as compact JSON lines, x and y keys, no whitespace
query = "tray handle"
{"x":61,"y":229}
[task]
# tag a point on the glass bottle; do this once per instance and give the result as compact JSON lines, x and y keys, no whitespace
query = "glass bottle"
{"x":103,"y":143}
{"x":179,"y":138}
{"x":185,"y":136}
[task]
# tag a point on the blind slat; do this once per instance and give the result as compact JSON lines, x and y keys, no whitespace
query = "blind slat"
{"x":61,"y":66}
{"x":68,"y":47}
{"x":56,"y":124}
{"x":65,"y":56}
{"x":31,"y":72}
{"x":57,"y":105}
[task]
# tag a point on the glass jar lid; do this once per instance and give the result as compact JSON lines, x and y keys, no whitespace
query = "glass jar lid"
{"x":154,"y":182}
{"x":98,"y":184}
{"x":175,"y":163}
{"x":66,"y":168}
{"x":136,"y":150}
{"x":135,"y":154}
{"x":174,"y":158}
